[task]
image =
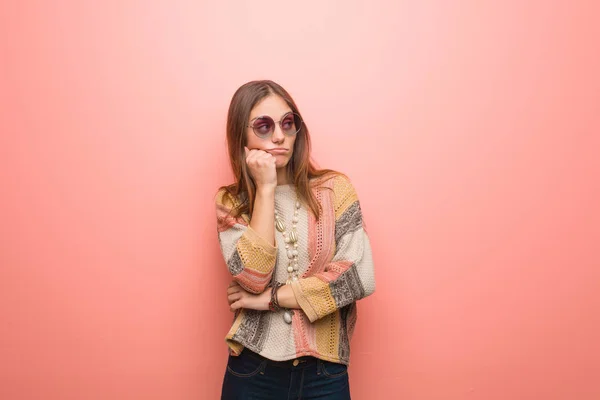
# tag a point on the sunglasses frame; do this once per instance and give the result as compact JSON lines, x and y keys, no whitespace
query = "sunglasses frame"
{"x":295,"y":115}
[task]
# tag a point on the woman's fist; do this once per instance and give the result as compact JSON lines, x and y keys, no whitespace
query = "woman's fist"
{"x":262,"y":167}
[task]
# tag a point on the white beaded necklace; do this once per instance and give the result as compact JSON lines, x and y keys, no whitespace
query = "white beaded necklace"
{"x":291,"y":243}
{"x":292,"y":252}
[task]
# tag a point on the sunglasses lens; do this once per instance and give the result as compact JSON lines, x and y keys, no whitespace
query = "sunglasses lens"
{"x":291,"y":124}
{"x":288,"y":124}
{"x":263,"y":126}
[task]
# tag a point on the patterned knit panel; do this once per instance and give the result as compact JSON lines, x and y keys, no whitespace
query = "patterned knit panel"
{"x":253,"y":330}
{"x":347,"y":316}
{"x":254,"y":255}
{"x":345,"y":196}
{"x":328,"y":335}
{"x":321,"y":245}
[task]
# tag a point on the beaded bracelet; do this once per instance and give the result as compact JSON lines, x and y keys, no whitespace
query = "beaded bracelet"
{"x":274,"y":303}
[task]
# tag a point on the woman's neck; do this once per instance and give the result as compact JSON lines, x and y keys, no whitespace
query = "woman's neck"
{"x":282,"y":177}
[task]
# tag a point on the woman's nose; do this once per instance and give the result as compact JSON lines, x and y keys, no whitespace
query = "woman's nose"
{"x":278,"y":135}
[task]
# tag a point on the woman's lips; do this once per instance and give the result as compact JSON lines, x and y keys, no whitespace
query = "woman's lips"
{"x":277,"y":152}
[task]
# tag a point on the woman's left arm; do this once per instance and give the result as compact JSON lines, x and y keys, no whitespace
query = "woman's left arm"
{"x":350,"y":275}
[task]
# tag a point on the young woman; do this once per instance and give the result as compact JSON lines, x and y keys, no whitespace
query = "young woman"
{"x":293,"y":239}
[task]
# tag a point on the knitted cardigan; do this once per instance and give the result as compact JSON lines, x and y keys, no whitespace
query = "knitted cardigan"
{"x":338,"y":273}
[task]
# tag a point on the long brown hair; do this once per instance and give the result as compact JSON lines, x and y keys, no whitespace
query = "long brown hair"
{"x":300,"y":168}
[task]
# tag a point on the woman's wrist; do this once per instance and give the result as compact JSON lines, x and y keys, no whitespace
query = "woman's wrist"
{"x":266,"y":188}
{"x":264,"y":299}
{"x":287,"y":298}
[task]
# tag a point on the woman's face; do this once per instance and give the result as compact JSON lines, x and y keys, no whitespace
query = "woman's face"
{"x":278,"y":144}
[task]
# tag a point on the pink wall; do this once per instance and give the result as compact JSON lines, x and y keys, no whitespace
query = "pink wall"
{"x":470,"y":129}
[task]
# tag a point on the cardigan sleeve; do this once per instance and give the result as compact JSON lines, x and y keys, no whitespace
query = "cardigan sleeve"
{"x":249,"y":257}
{"x":350,"y":275}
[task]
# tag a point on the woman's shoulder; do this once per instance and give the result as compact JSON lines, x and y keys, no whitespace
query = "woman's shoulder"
{"x":225,"y":196}
{"x":339,"y":182}
{"x":330,"y":179}
{"x":227,"y":204}
{"x":343,"y":193}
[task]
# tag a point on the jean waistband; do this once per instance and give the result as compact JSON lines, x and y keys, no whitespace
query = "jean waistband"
{"x":298,"y":362}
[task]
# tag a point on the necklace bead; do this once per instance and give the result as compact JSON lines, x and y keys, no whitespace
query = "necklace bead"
{"x":279,"y":224}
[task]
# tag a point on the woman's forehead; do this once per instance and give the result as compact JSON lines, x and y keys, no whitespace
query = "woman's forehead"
{"x":273,"y":106}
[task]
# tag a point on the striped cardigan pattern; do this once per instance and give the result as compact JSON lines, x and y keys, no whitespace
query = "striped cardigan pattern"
{"x":339,"y":272}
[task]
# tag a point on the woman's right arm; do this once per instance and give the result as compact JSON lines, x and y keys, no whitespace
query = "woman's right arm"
{"x":250,"y":257}
{"x":248,"y":246}
{"x":263,"y":215}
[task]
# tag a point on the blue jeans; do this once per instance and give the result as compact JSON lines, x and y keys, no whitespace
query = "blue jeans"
{"x":250,"y":376}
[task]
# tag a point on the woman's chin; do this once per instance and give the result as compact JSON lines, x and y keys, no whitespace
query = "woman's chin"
{"x":281,"y":162}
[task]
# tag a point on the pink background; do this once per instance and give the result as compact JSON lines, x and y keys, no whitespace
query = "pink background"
{"x":471,"y":130}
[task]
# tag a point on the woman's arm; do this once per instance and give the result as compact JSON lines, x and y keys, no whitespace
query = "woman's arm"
{"x":263,"y":216}
{"x":249,"y":247}
{"x":350,"y":275}
{"x":249,"y":256}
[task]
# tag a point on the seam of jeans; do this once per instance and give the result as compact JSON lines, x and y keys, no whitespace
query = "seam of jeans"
{"x":334,"y":375}
{"x":301,"y":384}
{"x":250,"y":374}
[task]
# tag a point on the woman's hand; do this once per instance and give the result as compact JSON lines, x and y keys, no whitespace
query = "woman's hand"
{"x":262,"y":167}
{"x":238,"y":298}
